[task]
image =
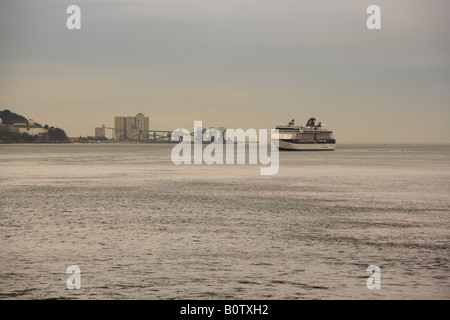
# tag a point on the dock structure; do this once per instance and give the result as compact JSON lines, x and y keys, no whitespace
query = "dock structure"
{"x":136,"y":128}
{"x":148,"y":135}
{"x":141,"y":135}
{"x":155,"y":135}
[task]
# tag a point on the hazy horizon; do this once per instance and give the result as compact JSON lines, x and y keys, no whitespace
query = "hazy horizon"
{"x":236,"y":64}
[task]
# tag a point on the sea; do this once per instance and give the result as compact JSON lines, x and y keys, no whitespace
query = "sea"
{"x":137,"y":226}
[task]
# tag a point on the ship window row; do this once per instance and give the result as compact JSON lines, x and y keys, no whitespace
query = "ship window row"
{"x":300,"y":141}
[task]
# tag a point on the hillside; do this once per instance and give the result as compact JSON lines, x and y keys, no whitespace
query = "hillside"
{"x":9,"y":134}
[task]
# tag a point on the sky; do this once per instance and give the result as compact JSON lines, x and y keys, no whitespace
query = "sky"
{"x":232,"y":63}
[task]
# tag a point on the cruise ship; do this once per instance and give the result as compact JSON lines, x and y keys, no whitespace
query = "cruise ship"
{"x":313,"y":137}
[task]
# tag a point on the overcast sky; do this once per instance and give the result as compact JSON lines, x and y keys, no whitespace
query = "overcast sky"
{"x":233,"y":63}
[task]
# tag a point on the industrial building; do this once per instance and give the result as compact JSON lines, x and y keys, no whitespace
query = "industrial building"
{"x":100,"y":132}
{"x":130,"y":128}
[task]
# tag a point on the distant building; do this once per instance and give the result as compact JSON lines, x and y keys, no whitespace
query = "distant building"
{"x":130,"y":128}
{"x":119,"y":128}
{"x":100,"y":132}
{"x":1,"y":122}
{"x":29,"y":128}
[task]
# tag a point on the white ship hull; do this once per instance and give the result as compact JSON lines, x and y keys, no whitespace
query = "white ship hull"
{"x":284,"y":145}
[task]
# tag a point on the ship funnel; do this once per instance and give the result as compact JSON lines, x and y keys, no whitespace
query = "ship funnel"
{"x":311,"y":122}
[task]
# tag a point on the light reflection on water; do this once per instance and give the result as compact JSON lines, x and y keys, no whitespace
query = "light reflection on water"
{"x":140,"y":227}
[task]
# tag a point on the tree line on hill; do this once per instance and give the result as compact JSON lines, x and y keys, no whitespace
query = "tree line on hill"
{"x":9,"y":118}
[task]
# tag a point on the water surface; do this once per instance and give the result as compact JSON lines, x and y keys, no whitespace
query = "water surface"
{"x":140,"y":227}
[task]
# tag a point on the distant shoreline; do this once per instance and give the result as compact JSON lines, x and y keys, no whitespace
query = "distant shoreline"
{"x":91,"y":142}
{"x":176,"y":142}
